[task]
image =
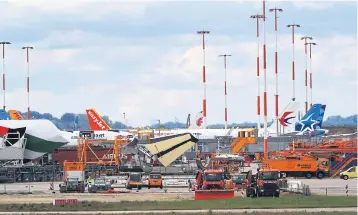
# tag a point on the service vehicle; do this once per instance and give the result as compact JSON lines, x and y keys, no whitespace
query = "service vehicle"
{"x":155,"y":180}
{"x":263,"y":183}
{"x":349,"y":173}
{"x":134,"y":180}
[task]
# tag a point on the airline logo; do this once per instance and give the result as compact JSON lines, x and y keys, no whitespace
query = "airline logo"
{"x":284,"y":120}
{"x":96,"y":124}
{"x":12,"y":134}
{"x":199,"y":119}
{"x":15,"y":115}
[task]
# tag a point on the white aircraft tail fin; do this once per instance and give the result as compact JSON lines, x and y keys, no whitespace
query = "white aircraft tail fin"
{"x":198,"y":122}
{"x":288,"y":118}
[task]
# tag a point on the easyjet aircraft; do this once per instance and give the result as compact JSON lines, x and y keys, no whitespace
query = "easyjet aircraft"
{"x":14,"y":115}
{"x":98,"y":124}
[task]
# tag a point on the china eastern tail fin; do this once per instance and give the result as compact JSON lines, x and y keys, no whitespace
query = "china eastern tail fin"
{"x":95,"y":120}
{"x":14,"y":115}
{"x":198,"y":122}
{"x":288,"y":117}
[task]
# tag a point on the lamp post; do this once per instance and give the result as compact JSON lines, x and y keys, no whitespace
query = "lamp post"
{"x":276,"y":67}
{"x":311,"y":43}
{"x":28,"y":80}
{"x":204,"y":75}
{"x":4,"y":71}
{"x":225,"y":91}
{"x":293,"y":58}
{"x":257,"y":17}
{"x":306,"y":85}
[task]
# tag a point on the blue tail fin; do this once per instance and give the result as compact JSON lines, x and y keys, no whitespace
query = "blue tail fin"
{"x":312,"y":119}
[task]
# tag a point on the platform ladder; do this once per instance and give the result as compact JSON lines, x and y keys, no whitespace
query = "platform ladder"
{"x":341,"y":165}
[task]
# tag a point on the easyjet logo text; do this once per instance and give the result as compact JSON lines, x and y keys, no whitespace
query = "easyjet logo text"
{"x":97,"y":121}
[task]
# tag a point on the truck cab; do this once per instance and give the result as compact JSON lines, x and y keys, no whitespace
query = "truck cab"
{"x":210,"y":179}
{"x":349,"y":173}
{"x":134,"y":180}
{"x":264,"y":183}
{"x":239,"y":180}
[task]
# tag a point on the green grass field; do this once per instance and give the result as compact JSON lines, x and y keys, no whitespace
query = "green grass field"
{"x":237,"y":203}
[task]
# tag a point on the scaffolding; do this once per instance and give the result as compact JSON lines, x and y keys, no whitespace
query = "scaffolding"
{"x":110,"y":158}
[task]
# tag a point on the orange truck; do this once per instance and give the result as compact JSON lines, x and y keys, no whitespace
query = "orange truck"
{"x":304,"y":167}
{"x":211,"y":184}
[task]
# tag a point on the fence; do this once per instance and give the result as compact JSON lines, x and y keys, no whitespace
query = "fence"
{"x":300,"y":188}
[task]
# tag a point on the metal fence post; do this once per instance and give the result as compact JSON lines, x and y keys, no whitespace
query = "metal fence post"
{"x":326,"y":191}
{"x":347,"y":189}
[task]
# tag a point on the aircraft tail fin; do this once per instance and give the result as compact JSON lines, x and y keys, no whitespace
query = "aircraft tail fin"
{"x":14,"y":115}
{"x":198,"y":122}
{"x":312,"y":119}
{"x":95,"y":120}
{"x":4,"y":115}
{"x":288,"y":117}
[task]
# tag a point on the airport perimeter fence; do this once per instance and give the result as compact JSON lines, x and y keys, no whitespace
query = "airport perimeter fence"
{"x":306,"y":190}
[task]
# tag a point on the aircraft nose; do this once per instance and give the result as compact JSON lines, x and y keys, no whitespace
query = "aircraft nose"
{"x":326,"y":132}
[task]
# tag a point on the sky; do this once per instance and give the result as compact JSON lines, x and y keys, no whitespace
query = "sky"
{"x":144,"y":58}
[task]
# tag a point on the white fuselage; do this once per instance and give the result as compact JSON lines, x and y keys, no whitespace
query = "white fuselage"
{"x":200,"y":133}
{"x":73,"y":136}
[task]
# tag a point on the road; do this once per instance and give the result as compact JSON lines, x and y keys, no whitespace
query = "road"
{"x":228,"y":211}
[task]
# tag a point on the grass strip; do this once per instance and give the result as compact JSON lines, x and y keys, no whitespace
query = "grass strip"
{"x":236,"y":203}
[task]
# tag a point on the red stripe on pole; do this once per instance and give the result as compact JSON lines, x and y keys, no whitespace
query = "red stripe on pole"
{"x":306,"y":77}
{"x":204,"y":78}
{"x":265,"y":104}
{"x":225,"y":114}
{"x":264,"y":56}
{"x":306,"y":106}
{"x":258,"y":105}
{"x":28,"y":113}
{"x":293,"y":34}
{"x":293,"y":70}
{"x":225,"y":89}
{"x":204,"y":107}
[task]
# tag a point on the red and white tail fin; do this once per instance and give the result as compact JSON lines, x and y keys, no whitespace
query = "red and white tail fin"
{"x":288,"y":118}
{"x":95,"y":120}
{"x":198,"y":122}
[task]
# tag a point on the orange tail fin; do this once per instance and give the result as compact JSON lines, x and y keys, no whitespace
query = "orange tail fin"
{"x":95,"y":120}
{"x":15,"y":115}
